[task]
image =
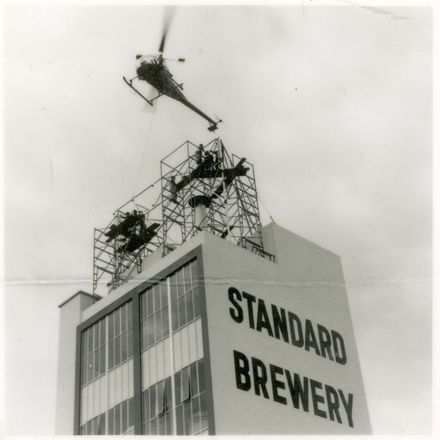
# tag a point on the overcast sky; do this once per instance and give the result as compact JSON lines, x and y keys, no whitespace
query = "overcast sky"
{"x":332,"y":105}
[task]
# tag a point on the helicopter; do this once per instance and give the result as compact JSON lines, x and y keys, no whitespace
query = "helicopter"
{"x":153,"y":70}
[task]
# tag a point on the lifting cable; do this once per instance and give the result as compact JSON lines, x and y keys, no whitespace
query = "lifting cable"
{"x":143,"y":155}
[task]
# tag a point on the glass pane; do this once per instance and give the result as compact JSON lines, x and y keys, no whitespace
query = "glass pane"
{"x":182,"y":313}
{"x":124,"y":421}
{"x":196,"y":301}
{"x":123,"y":318}
{"x":179,"y":420}
{"x":101,"y":425}
{"x":173,"y":287}
{"x":150,"y":331}
{"x":187,"y":272}
{"x":189,"y":307}
{"x":131,"y":412}
{"x":194,"y":381}
{"x":160,"y":398}
{"x":178,"y":387}
{"x":90,"y":367}
{"x":111,"y":422}
{"x":102,"y":360}
{"x":168,"y":394}
{"x":153,"y":427}
{"x":123,"y":346}
{"x":146,"y":405}
{"x":130,"y":343}
{"x":158,"y":326}
{"x":180,"y":285}
{"x":156,"y":292}
{"x":165,"y":325}
{"x":152,"y":402}
{"x":144,"y":334}
{"x":169,"y":422}
{"x":89,"y":339}
{"x":161,"y":427}
{"x":196,"y":415}
{"x":95,"y":336}
{"x":129,"y":315}
{"x":203,"y":411}
{"x":117,"y":314}
{"x":111,"y":354}
{"x":185,"y":393}
{"x":83,"y":343}
{"x":149,"y":294}
{"x":175,"y":315}
{"x":201,"y":371}
{"x":111,"y":326}
{"x":187,"y":425}
{"x":117,"y":350}
{"x":102,"y":332}
{"x":194,"y":272}
{"x":163,"y":293}
{"x":118,"y":419}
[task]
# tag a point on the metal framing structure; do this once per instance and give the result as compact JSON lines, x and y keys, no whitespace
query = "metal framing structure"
{"x":163,"y":220}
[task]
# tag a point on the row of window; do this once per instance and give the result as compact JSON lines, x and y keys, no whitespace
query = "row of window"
{"x":190,"y":397}
{"x":120,"y":420}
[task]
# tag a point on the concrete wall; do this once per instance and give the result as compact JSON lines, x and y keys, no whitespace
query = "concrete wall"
{"x":70,"y":317}
{"x":308,"y":281}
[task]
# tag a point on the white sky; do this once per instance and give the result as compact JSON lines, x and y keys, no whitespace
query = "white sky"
{"x":332,"y":105}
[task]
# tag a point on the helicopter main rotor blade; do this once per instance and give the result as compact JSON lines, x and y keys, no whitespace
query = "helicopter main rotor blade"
{"x":168,"y":18}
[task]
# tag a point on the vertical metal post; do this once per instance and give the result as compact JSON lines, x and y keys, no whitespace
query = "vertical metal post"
{"x":173,"y":383}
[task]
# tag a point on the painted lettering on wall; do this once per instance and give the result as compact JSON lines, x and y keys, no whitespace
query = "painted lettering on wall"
{"x":286,"y":326}
{"x":289,"y":388}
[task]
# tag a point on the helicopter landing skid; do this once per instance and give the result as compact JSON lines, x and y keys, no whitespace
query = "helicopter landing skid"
{"x":150,"y":101}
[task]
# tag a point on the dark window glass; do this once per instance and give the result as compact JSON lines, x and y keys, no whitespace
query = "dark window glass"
{"x":102,"y":360}
{"x":187,"y":273}
{"x":187,"y":418}
{"x":165,"y":325}
{"x":196,"y":414}
{"x":169,"y":422}
{"x":111,"y":354}
{"x":194,"y":381}
{"x":182,"y":314}
{"x":82,"y":430}
{"x":117,"y":314}
{"x":153,"y":427}
{"x":179,"y":420}
{"x":150,"y":331}
{"x":194,"y":274}
{"x":84,"y":343}
{"x":152,"y":402}
{"x":124,"y":344}
{"x":145,"y":333}
{"x":168,"y":391}
{"x":95,"y":336}
{"x":163,"y":293}
{"x":124,"y":416}
{"x":101,"y":425}
{"x":160,"y":398}
{"x":84,"y":370}
{"x":89,"y":367}
{"x":185,"y":393}
{"x":178,"y":387}
{"x":124,"y":318}
{"x":131,"y":412}
{"x":129,"y":315}
{"x":157,"y":326}
{"x":175,"y":315}
{"x":146,"y":405}
{"x":89,"y":427}
{"x":203,"y":412}
{"x":130,"y":343}
{"x":102,"y":332}
{"x":173,"y":287}
{"x":118,"y":419}
{"x":189,"y":307}
{"x":180,"y":284}
{"x":89,"y":339}
{"x":197,"y":304}
{"x":149,"y":294}
{"x":156,"y":292}
{"x":161,"y":425}
{"x":111,"y":326}
{"x":111,"y":421}
{"x":117,"y":350}
{"x":201,"y":371}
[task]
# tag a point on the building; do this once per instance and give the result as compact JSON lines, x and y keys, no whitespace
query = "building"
{"x":221,"y":334}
